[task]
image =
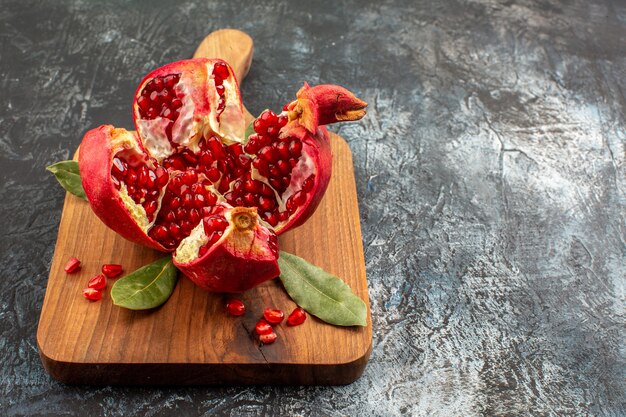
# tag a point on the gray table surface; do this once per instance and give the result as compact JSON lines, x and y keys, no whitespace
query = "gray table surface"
{"x":490,"y":174}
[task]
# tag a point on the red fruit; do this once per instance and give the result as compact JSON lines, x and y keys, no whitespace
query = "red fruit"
{"x":92,"y":294}
{"x":98,"y":282}
{"x":235,"y":307}
{"x":111,"y":270}
{"x":72,"y":265}
{"x":297,"y":317}
{"x":159,"y":186}
{"x":268,"y":339}
{"x":273,"y":316}
{"x":263,"y":327}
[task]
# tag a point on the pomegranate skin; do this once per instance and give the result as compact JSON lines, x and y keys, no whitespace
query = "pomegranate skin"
{"x":318,"y":148}
{"x":95,"y":160}
{"x":246,"y":256}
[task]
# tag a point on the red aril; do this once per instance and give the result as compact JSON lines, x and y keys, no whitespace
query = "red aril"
{"x":176,"y":184}
{"x":235,"y":307}
{"x":112,"y":270}
{"x":268,"y":339}
{"x":92,"y":294}
{"x":72,"y":265}
{"x":297,"y":317}
{"x":263,"y":327}
{"x":273,"y":316}
{"x":98,"y":282}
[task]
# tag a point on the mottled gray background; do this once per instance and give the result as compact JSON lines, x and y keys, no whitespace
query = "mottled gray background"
{"x":490,"y":173}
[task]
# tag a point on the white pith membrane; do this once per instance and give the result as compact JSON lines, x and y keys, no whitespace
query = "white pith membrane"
{"x":189,"y":247}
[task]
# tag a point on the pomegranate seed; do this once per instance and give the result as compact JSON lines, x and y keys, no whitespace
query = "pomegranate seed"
{"x":176,"y":104}
{"x":271,"y":218}
{"x":266,"y":203}
{"x":199,"y":201}
{"x":131,"y":177}
{"x":98,"y":282}
{"x":143,"y":103}
{"x":174,"y":230}
{"x":273,"y":131}
{"x":213,"y":174}
{"x":190,"y":177}
{"x":273,"y":316}
{"x":175,"y":203}
{"x":151,"y":208}
{"x":295,"y":148}
{"x":235,"y":307}
{"x":92,"y":294}
{"x":297,"y":317}
{"x":158,"y":83}
{"x":194,"y":216}
{"x":263,"y":327}
{"x":268,"y":339}
{"x":221,"y":70}
{"x":161,"y":176}
{"x":220,"y":89}
{"x":282,"y":120}
{"x":72,"y":265}
{"x":160,"y":233}
{"x":118,"y":169}
{"x":112,"y":270}
{"x":202,"y":251}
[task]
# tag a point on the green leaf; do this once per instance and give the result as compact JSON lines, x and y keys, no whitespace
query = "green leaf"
{"x":68,"y":175}
{"x":249,"y":131}
{"x":148,"y":287}
{"x":320,"y":293}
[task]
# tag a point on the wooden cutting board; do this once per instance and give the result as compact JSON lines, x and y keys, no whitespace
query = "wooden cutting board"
{"x":190,"y":339}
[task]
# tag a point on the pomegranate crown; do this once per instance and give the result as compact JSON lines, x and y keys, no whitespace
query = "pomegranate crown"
{"x":325,"y":104}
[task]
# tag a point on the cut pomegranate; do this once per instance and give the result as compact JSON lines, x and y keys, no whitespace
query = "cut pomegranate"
{"x":235,"y":307}
{"x":297,"y":317}
{"x":173,"y":184}
{"x":112,"y":270}
{"x":268,"y":339}
{"x":98,"y":282}
{"x":92,"y":294}
{"x":72,"y":265}
{"x":263,"y":327}
{"x":230,"y":251}
{"x":273,"y":316}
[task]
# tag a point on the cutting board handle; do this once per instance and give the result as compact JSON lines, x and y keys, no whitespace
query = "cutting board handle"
{"x":233,"y":46}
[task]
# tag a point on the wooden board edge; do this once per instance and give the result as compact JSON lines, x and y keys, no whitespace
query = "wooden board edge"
{"x":173,"y":374}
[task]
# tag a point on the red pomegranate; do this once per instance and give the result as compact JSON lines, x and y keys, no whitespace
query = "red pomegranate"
{"x":190,"y":182}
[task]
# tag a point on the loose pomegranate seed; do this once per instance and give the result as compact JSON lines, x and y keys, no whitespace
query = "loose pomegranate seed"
{"x":263,"y":327}
{"x":268,"y":339}
{"x":297,"y":317}
{"x":72,"y":265}
{"x":92,"y":294}
{"x":235,"y":307}
{"x":98,"y":282}
{"x":273,"y":316}
{"x":111,"y":270}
